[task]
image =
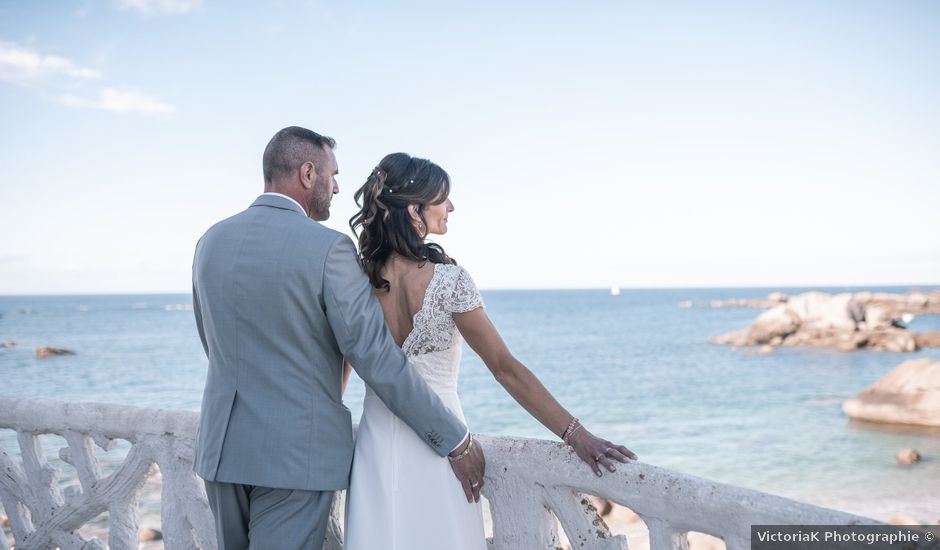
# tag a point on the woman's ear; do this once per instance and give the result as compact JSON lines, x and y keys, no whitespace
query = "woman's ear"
{"x":413,"y":212}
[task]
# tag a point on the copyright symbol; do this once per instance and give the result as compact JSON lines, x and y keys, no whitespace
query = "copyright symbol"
{"x":928,"y":536}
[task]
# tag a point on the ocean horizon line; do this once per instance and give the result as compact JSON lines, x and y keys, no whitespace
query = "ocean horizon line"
{"x":771,"y":288}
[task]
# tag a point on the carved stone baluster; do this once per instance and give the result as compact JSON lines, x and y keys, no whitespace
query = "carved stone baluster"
{"x":43,"y":478}
{"x":663,"y":536}
{"x":121,"y":491}
{"x":521,"y":518}
{"x":66,"y":541}
{"x":581,"y":522}
{"x":81,"y":455}
{"x":16,"y":496}
{"x":188,"y":522}
{"x":334,"y":535}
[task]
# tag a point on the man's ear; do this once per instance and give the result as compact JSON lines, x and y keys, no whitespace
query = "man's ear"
{"x":308,"y":174}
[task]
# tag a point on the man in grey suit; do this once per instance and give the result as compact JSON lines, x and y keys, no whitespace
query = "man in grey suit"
{"x":279,"y":301}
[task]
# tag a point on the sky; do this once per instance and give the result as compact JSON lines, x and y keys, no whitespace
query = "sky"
{"x":590,"y":144}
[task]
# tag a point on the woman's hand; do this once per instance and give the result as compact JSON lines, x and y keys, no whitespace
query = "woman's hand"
{"x":597,"y":452}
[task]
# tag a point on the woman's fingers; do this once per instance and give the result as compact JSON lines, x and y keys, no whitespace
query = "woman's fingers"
{"x":584,"y":453}
{"x":594,"y":459}
{"x":595,"y":466}
{"x":619,"y":453}
{"x":626,"y":452}
{"x":599,"y":453}
{"x":605,"y":462}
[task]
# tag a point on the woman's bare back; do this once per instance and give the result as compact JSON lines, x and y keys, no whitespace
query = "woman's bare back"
{"x":408,"y":282}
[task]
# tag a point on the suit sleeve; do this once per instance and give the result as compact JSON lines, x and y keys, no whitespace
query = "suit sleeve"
{"x":356,"y":318}
{"x":197,"y":311}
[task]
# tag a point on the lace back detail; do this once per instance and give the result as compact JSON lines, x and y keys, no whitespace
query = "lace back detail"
{"x":450,"y":291}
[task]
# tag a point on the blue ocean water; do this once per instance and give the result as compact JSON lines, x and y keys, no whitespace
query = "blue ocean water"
{"x":636,"y":368}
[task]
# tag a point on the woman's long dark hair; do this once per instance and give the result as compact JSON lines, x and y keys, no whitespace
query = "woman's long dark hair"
{"x":383,"y":224}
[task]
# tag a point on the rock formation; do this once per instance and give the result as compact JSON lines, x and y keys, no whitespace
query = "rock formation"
{"x":908,"y":456}
{"x":47,"y":351}
{"x":772,"y":299}
{"x":846,"y":322}
{"x":909,"y":394}
{"x":148,"y":534}
{"x":928,"y":340}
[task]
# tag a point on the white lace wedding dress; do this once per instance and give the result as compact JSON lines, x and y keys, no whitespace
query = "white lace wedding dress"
{"x":402,"y":495}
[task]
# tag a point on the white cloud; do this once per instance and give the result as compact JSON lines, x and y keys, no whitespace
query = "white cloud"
{"x":24,"y":66}
{"x":59,"y":77}
{"x":147,"y":7}
{"x":121,"y":101}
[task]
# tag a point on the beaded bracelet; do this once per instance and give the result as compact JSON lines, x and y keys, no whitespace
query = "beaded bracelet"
{"x":465,"y":452}
{"x":567,"y":432}
{"x":572,"y":432}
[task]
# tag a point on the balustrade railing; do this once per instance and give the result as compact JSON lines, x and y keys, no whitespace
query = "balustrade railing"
{"x":529,"y":483}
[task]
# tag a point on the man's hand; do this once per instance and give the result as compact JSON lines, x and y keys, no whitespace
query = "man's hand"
{"x":469,"y":468}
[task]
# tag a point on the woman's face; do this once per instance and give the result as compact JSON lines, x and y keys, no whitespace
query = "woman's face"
{"x":436,"y":217}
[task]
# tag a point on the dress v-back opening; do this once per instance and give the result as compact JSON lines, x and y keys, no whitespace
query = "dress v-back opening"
{"x":424,"y":304}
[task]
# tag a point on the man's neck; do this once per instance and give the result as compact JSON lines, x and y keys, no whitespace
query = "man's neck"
{"x":287,"y":196}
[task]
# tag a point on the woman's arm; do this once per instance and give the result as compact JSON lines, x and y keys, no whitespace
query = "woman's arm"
{"x":347,"y":370}
{"x":528,"y":391}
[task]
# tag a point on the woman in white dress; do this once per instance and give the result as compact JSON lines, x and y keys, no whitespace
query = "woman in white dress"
{"x":403,"y":496}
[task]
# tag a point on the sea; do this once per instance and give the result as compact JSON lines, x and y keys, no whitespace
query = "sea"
{"x":636,"y":368}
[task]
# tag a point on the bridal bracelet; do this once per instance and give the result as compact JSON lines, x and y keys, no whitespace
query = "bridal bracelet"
{"x":465,"y":452}
{"x":573,"y":427}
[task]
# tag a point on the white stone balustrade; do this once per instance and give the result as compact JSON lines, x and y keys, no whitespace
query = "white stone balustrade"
{"x":529,"y":483}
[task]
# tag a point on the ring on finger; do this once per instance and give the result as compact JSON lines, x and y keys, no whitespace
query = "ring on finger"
{"x":598,"y":457}
{"x":475,"y":484}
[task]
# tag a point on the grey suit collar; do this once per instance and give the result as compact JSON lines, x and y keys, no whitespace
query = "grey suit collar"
{"x":278,"y":202}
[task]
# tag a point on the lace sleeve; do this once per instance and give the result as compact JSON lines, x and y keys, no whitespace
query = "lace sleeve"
{"x":466,"y":297}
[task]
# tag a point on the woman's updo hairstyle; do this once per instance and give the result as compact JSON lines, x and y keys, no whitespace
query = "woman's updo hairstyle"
{"x":383,"y":224}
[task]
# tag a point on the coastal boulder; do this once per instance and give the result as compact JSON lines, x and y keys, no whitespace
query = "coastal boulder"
{"x":903,"y":519}
{"x":8,"y":344}
{"x":48,"y":351}
{"x":878,"y":317}
{"x":149,"y":535}
{"x":778,"y":321}
{"x":821,"y":311}
{"x":928,"y":340}
{"x":891,"y":339}
{"x":845,"y":322}
{"x":908,"y":456}
{"x":770,"y":327}
{"x":909,"y":394}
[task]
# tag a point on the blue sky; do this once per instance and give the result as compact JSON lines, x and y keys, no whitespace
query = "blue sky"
{"x":590,"y":144}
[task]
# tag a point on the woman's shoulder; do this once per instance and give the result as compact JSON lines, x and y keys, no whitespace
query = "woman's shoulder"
{"x":453,"y":272}
{"x":460,"y":287}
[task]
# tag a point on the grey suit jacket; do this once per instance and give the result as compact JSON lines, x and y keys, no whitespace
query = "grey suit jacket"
{"x":279,"y":300}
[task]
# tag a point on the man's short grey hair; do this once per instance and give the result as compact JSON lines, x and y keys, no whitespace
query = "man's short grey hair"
{"x":291,"y":147}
